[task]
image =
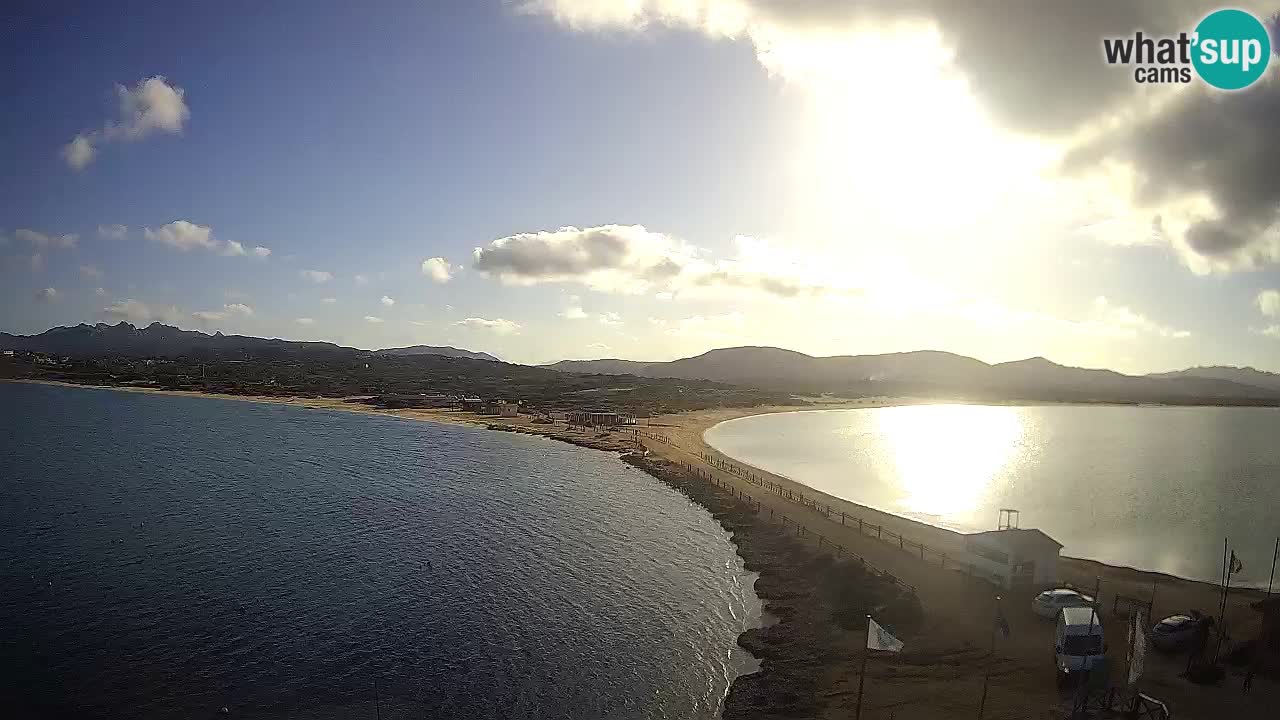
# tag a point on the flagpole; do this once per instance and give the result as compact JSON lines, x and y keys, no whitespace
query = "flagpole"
{"x":862,"y":674}
{"x":986,"y":678}
{"x":1222,"y":613}
{"x":1273,"y":567}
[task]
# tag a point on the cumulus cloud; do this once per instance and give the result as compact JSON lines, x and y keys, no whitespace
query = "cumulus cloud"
{"x":138,"y":313}
{"x":497,"y":325}
{"x":631,"y":259}
{"x":1269,"y":303}
{"x":43,"y":240}
{"x":316,"y":276}
{"x":388,"y":301}
{"x":1271,"y":331}
{"x":573,"y":312}
{"x":438,"y":269}
{"x":113,"y":232}
{"x":1029,"y":69}
{"x":308,"y":322}
{"x":609,"y":318}
{"x":233,"y":248}
{"x":47,"y":295}
{"x":153,"y":105}
{"x":260,"y":251}
{"x":183,"y":235}
{"x":90,"y":271}
{"x":227,"y":311}
{"x":1217,"y":209}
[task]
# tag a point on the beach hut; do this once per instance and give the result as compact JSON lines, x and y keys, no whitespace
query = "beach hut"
{"x":1017,"y":557}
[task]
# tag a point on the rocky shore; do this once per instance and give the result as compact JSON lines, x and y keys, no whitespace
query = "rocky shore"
{"x":820,"y":604}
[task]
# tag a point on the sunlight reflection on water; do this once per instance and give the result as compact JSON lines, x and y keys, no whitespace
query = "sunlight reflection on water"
{"x":947,"y":456}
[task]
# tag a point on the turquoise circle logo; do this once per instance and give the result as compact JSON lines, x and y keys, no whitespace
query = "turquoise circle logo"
{"x":1232,"y":49}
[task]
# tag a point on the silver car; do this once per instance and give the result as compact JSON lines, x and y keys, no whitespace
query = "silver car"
{"x":1050,"y":602}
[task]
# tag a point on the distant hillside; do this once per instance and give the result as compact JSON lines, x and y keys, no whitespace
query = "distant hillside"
{"x":154,"y":340}
{"x":1246,"y":375}
{"x":445,"y":351}
{"x":930,"y":372}
{"x":159,"y":340}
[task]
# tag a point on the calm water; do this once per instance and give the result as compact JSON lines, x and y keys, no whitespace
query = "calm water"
{"x":1150,"y":487}
{"x":167,"y":556}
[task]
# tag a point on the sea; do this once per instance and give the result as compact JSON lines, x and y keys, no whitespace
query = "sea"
{"x":170,"y":556}
{"x":1154,"y":488}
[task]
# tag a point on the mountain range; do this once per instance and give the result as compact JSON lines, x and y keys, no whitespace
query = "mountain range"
{"x":159,"y":340}
{"x":924,"y":372}
{"x":929,"y":371}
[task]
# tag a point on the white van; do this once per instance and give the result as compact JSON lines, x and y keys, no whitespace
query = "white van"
{"x":1078,"y":641}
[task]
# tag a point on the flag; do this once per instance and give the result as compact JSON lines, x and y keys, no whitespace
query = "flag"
{"x":1002,"y":623}
{"x":1236,"y":565}
{"x":1138,"y":650}
{"x":879,"y":639}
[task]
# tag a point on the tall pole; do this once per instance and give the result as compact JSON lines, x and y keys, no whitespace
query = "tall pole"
{"x":1270,"y":580}
{"x":986,"y":678}
{"x":862,"y":674}
{"x":1222,"y":612}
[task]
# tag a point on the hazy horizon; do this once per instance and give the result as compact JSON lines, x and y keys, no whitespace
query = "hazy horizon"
{"x":585,"y":179}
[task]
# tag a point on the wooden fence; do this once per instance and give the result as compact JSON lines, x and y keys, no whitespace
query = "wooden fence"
{"x":867,"y":528}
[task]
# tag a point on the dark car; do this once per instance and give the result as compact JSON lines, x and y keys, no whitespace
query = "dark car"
{"x":1177,"y":632}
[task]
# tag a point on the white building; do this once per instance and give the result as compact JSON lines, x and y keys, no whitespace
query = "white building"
{"x":1015,"y":557}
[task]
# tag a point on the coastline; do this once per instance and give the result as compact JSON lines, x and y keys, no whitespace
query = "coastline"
{"x":809,"y":657}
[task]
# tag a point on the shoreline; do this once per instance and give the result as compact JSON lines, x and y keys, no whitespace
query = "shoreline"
{"x":808,"y":654}
{"x":1147,"y":574}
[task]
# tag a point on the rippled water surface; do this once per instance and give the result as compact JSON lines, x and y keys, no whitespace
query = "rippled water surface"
{"x":168,"y":556}
{"x":1150,"y":487}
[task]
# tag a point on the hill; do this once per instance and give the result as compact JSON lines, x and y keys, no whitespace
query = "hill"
{"x":443,"y":350}
{"x":934,"y":373}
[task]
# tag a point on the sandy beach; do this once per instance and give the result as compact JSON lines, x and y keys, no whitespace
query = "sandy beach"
{"x":940,"y":674}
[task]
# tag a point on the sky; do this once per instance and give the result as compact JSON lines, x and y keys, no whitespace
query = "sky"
{"x":642,"y":179}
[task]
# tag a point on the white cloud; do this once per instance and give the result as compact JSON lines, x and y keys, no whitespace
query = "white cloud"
{"x":438,"y":269}
{"x":360,"y":280}
{"x":150,"y":106}
{"x":372,"y":319}
{"x":573,"y":312}
{"x":609,"y":318}
{"x":42,"y":240}
{"x":305,"y":321}
{"x":1271,"y":331}
{"x":1125,"y":321}
{"x":138,"y":312}
{"x":497,"y":325}
{"x":227,"y":311}
{"x":79,"y":152}
{"x":183,"y":235}
{"x":233,"y":248}
{"x":388,"y":301}
{"x":630,"y":259}
{"x":260,"y":251}
{"x":47,"y":295}
{"x":90,"y":271}
{"x":37,"y":262}
{"x":598,"y":346}
{"x":113,"y":232}
{"x":100,"y":292}
{"x":1269,"y":303}
{"x":709,"y":326}
{"x":316,"y":276}
{"x":329,"y":300}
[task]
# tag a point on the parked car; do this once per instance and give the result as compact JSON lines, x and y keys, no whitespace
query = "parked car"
{"x":1177,"y":632}
{"x":1048,"y":603}
{"x":1079,"y":644}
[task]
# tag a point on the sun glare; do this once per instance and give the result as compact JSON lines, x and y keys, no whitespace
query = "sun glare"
{"x":947,"y":456}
